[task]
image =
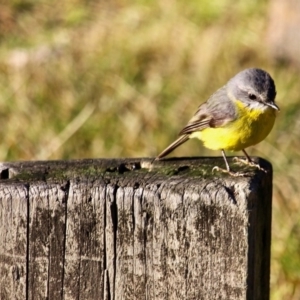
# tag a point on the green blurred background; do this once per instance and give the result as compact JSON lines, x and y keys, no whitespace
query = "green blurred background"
{"x":119,"y":78}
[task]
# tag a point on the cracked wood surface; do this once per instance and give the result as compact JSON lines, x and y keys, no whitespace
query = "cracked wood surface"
{"x":125,"y":229}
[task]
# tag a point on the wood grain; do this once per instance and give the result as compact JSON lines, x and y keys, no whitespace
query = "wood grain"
{"x":129,"y":229}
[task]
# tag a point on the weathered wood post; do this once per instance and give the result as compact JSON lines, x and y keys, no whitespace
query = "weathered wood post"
{"x":121,"y":229}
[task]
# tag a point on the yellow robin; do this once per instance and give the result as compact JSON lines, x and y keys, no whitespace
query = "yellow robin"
{"x":238,"y":115}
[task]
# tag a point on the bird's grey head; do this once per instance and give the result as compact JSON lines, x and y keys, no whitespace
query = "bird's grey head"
{"x":253,"y":86}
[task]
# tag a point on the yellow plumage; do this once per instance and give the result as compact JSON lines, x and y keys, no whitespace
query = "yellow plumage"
{"x":249,"y":128}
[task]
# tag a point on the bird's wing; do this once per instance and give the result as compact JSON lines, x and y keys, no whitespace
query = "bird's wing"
{"x":217,"y":111}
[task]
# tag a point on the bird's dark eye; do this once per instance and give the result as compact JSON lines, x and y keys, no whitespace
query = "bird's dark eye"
{"x":252,"y":96}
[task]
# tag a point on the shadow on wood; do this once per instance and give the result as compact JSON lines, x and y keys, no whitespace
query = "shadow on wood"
{"x":126,"y":229}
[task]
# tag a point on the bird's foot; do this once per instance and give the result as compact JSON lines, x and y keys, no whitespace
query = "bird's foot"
{"x":250,"y":163}
{"x":231,"y":173}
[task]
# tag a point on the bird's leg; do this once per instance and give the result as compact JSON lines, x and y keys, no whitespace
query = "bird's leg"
{"x":249,"y":162}
{"x":228,"y":170}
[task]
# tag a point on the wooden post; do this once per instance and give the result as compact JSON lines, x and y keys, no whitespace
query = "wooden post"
{"x":126,"y":229}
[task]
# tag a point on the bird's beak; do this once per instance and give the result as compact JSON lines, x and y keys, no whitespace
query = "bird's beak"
{"x":273,"y":105}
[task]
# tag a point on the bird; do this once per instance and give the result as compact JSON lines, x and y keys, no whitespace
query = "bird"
{"x":238,"y":115}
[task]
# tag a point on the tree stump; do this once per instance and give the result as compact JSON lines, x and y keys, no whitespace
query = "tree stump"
{"x":128,"y":229}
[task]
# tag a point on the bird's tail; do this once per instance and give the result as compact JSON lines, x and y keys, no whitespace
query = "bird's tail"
{"x":183,"y":138}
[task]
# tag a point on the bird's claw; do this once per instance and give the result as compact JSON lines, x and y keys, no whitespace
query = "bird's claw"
{"x":234,"y":174}
{"x":249,"y":163}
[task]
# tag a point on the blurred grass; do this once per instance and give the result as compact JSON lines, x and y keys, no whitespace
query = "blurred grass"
{"x":120,"y":78}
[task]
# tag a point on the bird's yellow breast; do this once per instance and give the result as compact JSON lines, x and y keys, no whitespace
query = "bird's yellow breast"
{"x":250,"y":127}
